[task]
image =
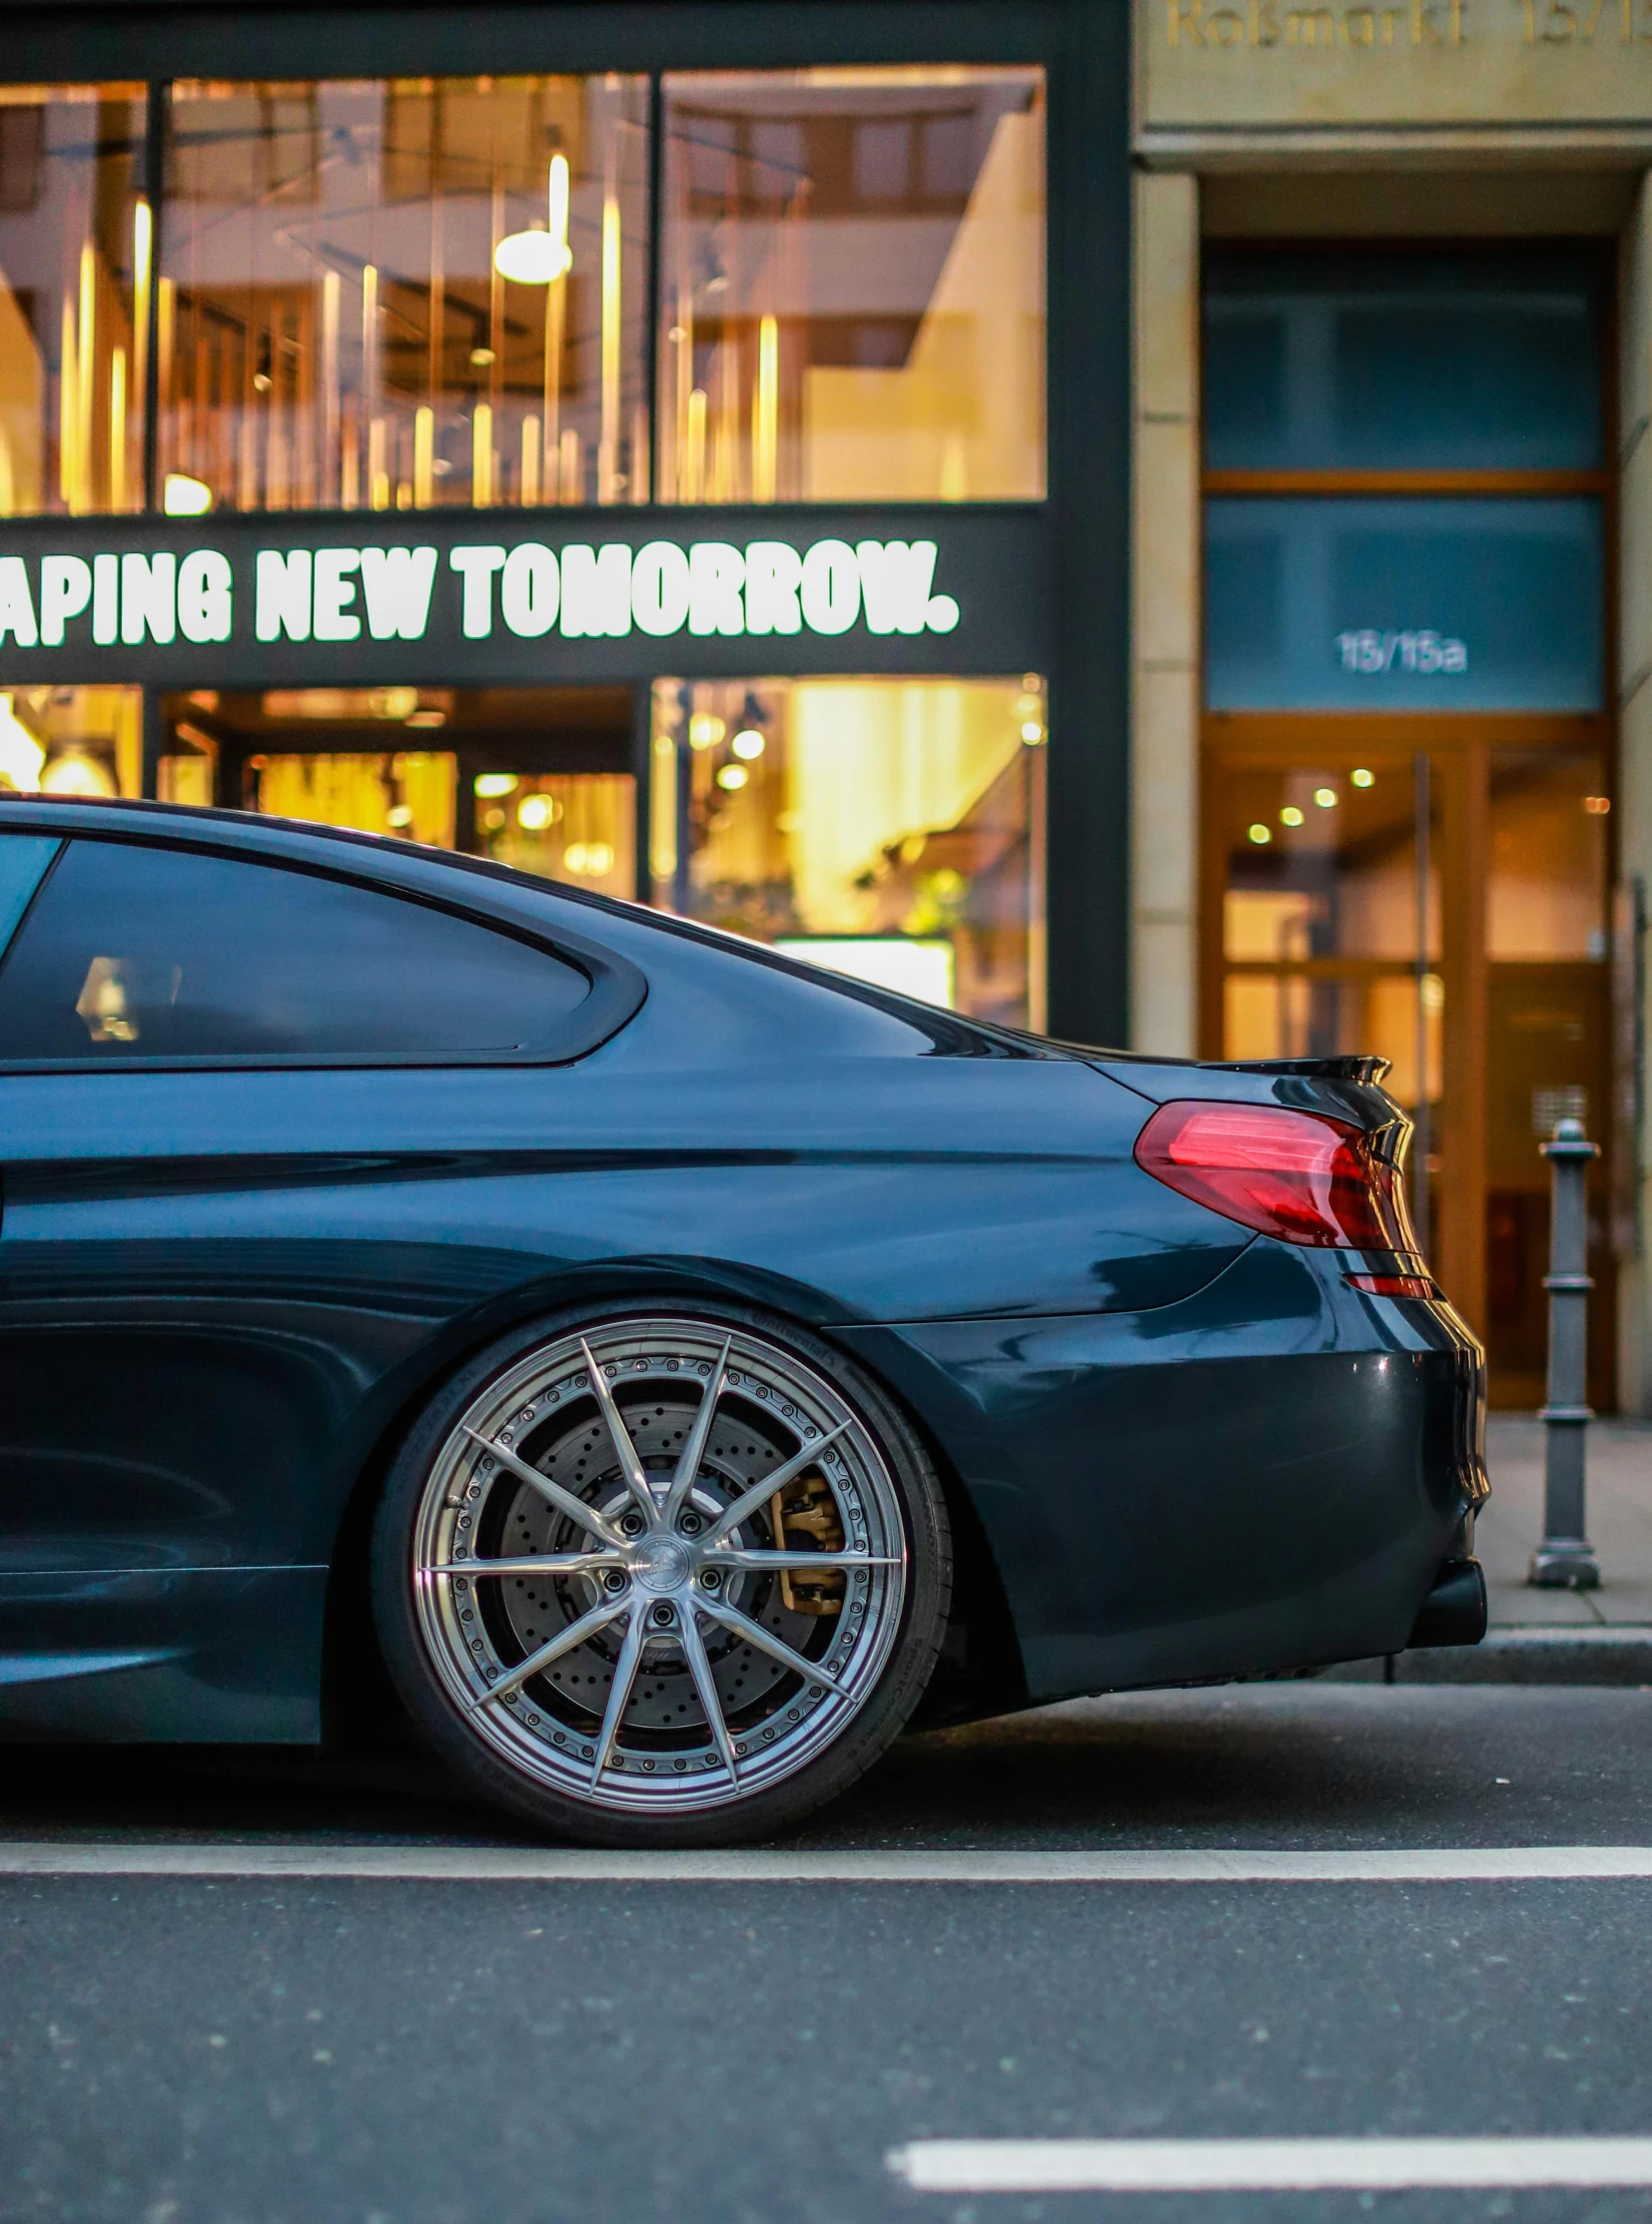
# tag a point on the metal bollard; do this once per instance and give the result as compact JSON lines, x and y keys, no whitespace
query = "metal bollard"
{"x":1565,"y":1559}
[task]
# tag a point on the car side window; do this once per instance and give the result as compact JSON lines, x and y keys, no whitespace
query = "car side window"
{"x":132,"y":952}
{"x":23,"y":859}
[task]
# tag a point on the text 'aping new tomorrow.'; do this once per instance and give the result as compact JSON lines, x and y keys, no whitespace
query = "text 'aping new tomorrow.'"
{"x":529,"y":591}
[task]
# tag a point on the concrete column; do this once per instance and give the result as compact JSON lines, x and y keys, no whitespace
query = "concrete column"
{"x":1634,"y":831}
{"x":1164,"y":624}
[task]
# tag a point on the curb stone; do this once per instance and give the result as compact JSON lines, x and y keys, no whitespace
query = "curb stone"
{"x":1618,"y":1654}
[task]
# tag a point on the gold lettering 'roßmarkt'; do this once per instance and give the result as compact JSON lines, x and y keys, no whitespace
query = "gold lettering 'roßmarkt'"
{"x":1222,"y":66}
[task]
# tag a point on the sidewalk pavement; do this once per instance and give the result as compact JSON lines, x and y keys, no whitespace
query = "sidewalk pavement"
{"x":1554,"y":1637}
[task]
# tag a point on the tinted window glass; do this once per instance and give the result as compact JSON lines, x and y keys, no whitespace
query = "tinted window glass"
{"x":152,"y":953}
{"x":23,"y":858}
{"x":1394,"y":361}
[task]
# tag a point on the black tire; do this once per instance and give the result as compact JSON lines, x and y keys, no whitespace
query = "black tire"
{"x":657,"y":1769}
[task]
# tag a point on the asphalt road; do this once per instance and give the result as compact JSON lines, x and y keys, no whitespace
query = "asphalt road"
{"x":180,"y":2051}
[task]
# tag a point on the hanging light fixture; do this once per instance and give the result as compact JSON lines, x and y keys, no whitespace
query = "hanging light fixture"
{"x":535,"y":258}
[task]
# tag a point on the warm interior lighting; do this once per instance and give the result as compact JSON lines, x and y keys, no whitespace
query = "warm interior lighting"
{"x":21,"y":755}
{"x":733,"y":776}
{"x":705,"y":731}
{"x":1326,"y":798}
{"x":1363,"y":779}
{"x":1032,"y":731}
{"x":1261,"y":834}
{"x":922,"y":969}
{"x":535,"y":258}
{"x":490,"y":784}
{"x":185,"y":496}
{"x":74,"y":773}
{"x":1597,"y":806}
{"x":1291,"y":816}
{"x":590,"y":859}
{"x":748,"y":743}
{"x":536,"y":812}
{"x":426,"y":718}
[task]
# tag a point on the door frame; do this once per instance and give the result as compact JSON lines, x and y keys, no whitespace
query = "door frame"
{"x":1460,"y":747}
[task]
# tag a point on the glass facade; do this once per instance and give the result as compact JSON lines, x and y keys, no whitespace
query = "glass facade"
{"x":75,"y":270}
{"x":852,"y":277}
{"x":889,"y":829}
{"x":392,"y":294}
{"x":405,"y":294}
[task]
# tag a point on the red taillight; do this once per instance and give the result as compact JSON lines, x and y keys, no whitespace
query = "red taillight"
{"x":1395,"y":1285}
{"x":1297,"y":1175}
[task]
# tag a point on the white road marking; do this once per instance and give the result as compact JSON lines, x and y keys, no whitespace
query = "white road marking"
{"x":567,"y":1864}
{"x":1262,"y":2165}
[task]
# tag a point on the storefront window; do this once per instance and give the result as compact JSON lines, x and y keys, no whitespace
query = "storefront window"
{"x":75,"y":238}
{"x":405,"y":294}
{"x":72,"y":741}
{"x":852,"y":286}
{"x":889,"y":829}
{"x":538,"y":778}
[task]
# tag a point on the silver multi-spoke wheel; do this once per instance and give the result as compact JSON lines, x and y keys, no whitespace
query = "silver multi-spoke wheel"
{"x":659,"y":1564}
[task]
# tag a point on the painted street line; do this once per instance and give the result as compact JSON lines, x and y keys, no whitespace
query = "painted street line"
{"x":1262,"y":2165}
{"x":565,"y":1865}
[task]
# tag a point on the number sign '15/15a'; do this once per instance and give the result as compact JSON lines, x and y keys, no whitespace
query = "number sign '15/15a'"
{"x":581,"y":591}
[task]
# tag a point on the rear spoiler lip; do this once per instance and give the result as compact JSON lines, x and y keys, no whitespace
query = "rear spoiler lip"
{"x":1346,"y":1089}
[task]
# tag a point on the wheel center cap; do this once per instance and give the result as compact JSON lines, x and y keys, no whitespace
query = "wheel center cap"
{"x":661,"y":1565}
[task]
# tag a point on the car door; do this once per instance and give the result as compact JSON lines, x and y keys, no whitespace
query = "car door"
{"x":234,"y":1099}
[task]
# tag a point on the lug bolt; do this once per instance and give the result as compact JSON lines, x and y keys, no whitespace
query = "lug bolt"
{"x":691,"y":1524}
{"x":709,"y":1579}
{"x":633,"y":1525}
{"x":662,"y":1616}
{"x":613,"y":1580}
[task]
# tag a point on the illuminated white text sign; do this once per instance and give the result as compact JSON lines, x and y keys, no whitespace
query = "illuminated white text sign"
{"x":525,"y":590}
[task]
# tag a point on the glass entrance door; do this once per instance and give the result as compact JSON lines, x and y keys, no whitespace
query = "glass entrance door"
{"x":1434,"y":891}
{"x":1325,"y":908}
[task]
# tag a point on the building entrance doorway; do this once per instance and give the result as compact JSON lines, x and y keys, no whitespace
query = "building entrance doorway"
{"x":1433,"y":890}
{"x":538,"y":778}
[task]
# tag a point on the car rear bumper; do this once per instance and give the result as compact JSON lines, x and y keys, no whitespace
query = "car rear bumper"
{"x":1268,"y":1476}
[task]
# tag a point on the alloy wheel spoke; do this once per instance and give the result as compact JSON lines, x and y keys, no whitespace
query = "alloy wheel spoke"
{"x":567,"y":1641}
{"x":625,"y":1668}
{"x":688,"y":1467}
{"x":706,"y":1682}
{"x":739,"y":1509}
{"x":776,"y":1647}
{"x":544,"y":1562}
{"x":631,"y":1466}
{"x":738,"y":1555}
{"x":563,"y":1500}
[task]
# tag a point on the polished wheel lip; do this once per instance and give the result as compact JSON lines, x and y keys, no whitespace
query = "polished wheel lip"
{"x":665,"y":1558}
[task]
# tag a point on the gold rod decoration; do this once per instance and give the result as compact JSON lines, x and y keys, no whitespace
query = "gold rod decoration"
{"x":117,"y":429}
{"x":166,"y":318}
{"x":68,"y":382}
{"x":531,"y":463}
{"x":607,"y":447}
{"x":143,"y":241}
{"x":424,"y":478}
{"x":765,"y":411}
{"x":482,"y":456}
{"x":331,"y":399}
{"x":88,"y":369}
